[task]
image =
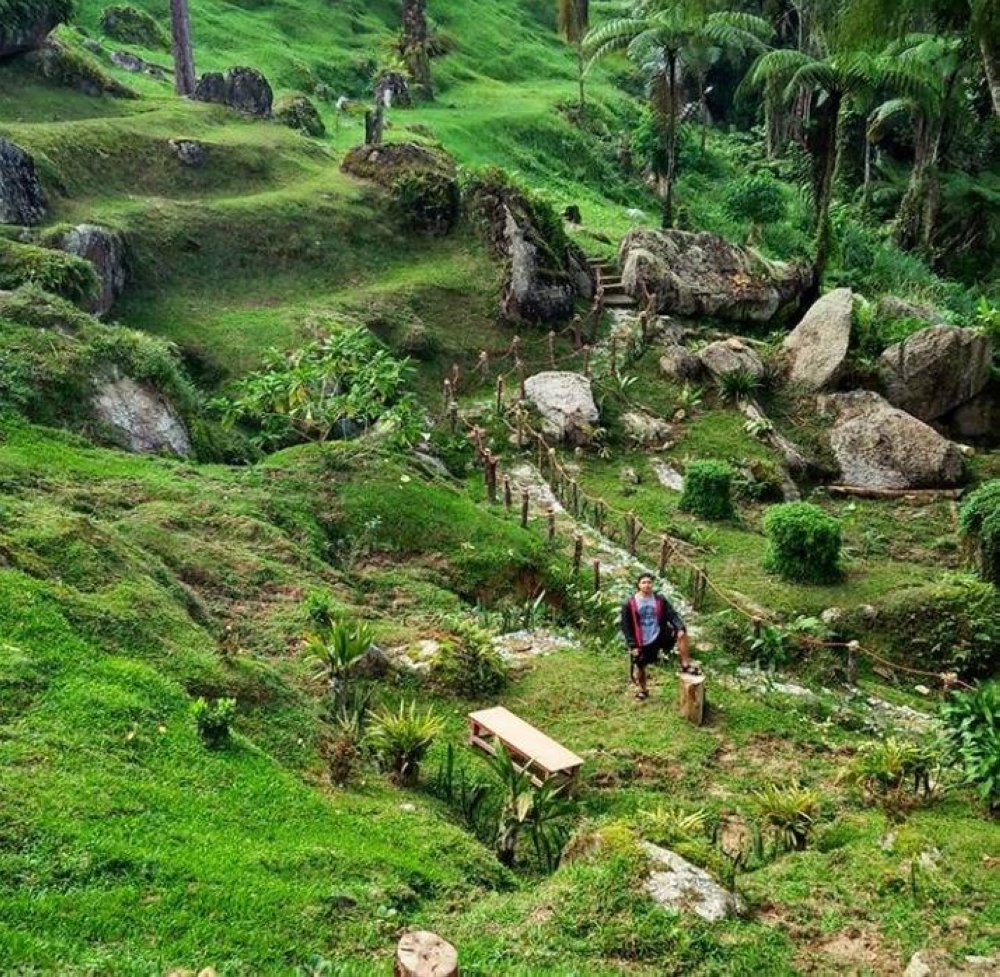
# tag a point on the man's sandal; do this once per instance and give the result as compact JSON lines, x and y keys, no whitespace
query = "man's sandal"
{"x":690,"y":670}
{"x":641,"y":696}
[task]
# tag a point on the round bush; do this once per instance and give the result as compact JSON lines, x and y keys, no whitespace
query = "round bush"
{"x":803,"y":543}
{"x":708,"y":490}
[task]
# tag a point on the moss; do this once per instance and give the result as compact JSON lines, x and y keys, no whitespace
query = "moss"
{"x":63,"y":274}
{"x":297,"y":112}
{"x":62,"y":65}
{"x":131,"y":25}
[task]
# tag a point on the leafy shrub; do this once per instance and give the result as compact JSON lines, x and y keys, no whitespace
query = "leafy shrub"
{"x":214,"y":720}
{"x":332,"y":387}
{"x":467,"y":795}
{"x":62,"y":274}
{"x":894,"y":771}
{"x":789,"y":814}
{"x":951,"y":625}
{"x":979,"y":520}
{"x":757,"y":198}
{"x":973,"y":728}
{"x":468,"y":664}
{"x":708,"y":490}
{"x":400,"y":740}
{"x":803,"y":543}
{"x":668,"y":824}
{"x":336,"y":651}
{"x":428,"y":202}
{"x":738,"y":384}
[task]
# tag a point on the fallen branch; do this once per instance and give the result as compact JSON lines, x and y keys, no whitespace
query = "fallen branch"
{"x":916,"y":495}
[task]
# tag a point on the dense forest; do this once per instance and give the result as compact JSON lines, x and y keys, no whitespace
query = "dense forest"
{"x":361,"y":363}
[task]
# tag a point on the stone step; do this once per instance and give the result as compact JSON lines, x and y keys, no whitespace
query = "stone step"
{"x":620,"y":301}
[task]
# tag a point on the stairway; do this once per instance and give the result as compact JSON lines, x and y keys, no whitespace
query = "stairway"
{"x":609,"y":278}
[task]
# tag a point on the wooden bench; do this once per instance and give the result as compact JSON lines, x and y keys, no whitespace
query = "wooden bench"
{"x":539,"y":753}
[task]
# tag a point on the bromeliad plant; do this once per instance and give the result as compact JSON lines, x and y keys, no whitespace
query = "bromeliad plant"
{"x":895,"y":772}
{"x":335,"y":651}
{"x":401,"y":738}
{"x":789,"y":814}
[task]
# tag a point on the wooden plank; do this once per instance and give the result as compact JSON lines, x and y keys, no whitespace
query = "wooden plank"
{"x":525,"y":739}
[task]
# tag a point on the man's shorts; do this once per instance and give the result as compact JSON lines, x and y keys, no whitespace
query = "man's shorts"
{"x":650,"y":654}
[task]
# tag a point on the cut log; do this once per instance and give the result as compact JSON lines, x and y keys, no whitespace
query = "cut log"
{"x":914,"y":495}
{"x":425,"y":954}
{"x":691,"y":697}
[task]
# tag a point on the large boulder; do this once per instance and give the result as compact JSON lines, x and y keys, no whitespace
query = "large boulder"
{"x":21,"y":198}
{"x":977,"y":420}
{"x":678,"y":363}
{"x":679,"y":886}
{"x":545,"y":273}
{"x":729,"y":356}
{"x":106,"y":252}
{"x":880,"y":446}
{"x":241,"y":88}
{"x":700,"y":274}
{"x":62,"y":65}
{"x":25,"y":27}
{"x":139,"y":417}
{"x":386,"y":162}
{"x":565,"y":403}
{"x":298,"y":112}
{"x":817,"y":346}
{"x":935,"y":370}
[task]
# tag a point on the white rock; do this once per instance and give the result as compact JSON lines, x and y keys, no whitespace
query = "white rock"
{"x":565,"y":402}
{"x":675,"y":883}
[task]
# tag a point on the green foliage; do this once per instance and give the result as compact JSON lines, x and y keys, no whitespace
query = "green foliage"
{"x":739,"y":383}
{"x":759,"y":480}
{"x":894,"y":772}
{"x":128,"y":24}
{"x":973,"y":727}
{"x":401,"y":738}
{"x":979,"y":521}
{"x":336,"y":651}
{"x":669,"y":824}
{"x":296,"y":111}
{"x":757,"y":198}
{"x":426,"y":201}
{"x":331,"y":387}
{"x":214,"y":720}
{"x":467,"y":795}
{"x":62,"y":274}
{"x":789,"y":814}
{"x":708,"y":490}
{"x":803,"y":543}
{"x":17,"y":15}
{"x":950,"y":625}
{"x":467,"y":663}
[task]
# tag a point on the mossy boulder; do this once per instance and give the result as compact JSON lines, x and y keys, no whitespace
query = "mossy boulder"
{"x":298,"y":112}
{"x":26,"y":24}
{"x":105,"y":250}
{"x":130,"y":25}
{"x":22,"y":200}
{"x":66,"y":275}
{"x":241,"y":88}
{"x":62,"y":65}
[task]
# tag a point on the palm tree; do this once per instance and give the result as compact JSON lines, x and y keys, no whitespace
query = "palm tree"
{"x":656,"y":38}
{"x":934,"y":64}
{"x":574,"y":22}
{"x":180,"y":23}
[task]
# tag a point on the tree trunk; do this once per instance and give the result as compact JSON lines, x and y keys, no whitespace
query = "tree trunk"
{"x":180,"y":22}
{"x":691,"y":698}
{"x":579,"y":71}
{"x":824,"y":196}
{"x":774,"y":121}
{"x":374,"y":120}
{"x":990,"y":49}
{"x":415,"y":51}
{"x":668,"y":197}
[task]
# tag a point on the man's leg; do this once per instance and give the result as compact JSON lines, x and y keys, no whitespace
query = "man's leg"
{"x":639,"y":664}
{"x":684,"y":648}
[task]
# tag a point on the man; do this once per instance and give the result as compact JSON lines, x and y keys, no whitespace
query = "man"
{"x":651,"y":625}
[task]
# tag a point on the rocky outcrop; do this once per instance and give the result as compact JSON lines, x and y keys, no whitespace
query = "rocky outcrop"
{"x":61,"y":65}
{"x":298,"y":112}
{"x":565,"y":403}
{"x":704,"y":275}
{"x":21,"y":198}
{"x":729,"y":356}
{"x":26,"y":26}
{"x":190,"y":152}
{"x":386,"y":162}
{"x":546,"y":273}
{"x":678,"y":885}
{"x":241,"y":88}
{"x":880,"y":446}
{"x":977,"y":420}
{"x":130,"y":25}
{"x":679,"y":363}
{"x":935,"y":370}
{"x":139,"y":417}
{"x":817,"y":346}
{"x":105,"y":250}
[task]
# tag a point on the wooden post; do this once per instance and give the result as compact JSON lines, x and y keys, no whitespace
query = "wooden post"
{"x":691,"y":697}
{"x":525,"y":501}
{"x":665,"y":551}
{"x":575,"y":489}
{"x":540,"y":444}
{"x":551,"y":515}
{"x":577,"y":553}
{"x":490,"y":474}
{"x":455,"y":374}
{"x":614,"y":355}
{"x":586,"y":361}
{"x":631,"y":535}
{"x":522,"y":378}
{"x":756,"y":627}
{"x":520,"y":428}
{"x":449,"y":394}
{"x":597,"y":575}
{"x":599,"y":515}
{"x":552,"y":349}
{"x":424,"y":954}
{"x":577,"y":327}
{"x":483,"y":365}
{"x":453,"y":416}
{"x":508,"y":499}
{"x":500,"y":394}
{"x":553,"y":468}
{"x":852,"y":663}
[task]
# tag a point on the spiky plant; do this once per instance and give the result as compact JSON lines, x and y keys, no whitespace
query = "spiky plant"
{"x":789,"y":814}
{"x":401,"y":738}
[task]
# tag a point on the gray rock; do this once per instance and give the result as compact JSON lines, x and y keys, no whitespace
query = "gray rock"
{"x":675,"y":883}
{"x":935,"y":370}
{"x":190,"y":152}
{"x":977,"y":420}
{"x":374,"y":663}
{"x":668,"y":476}
{"x":817,"y":346}
{"x":893,"y":307}
{"x":140,"y":417}
{"x":136,"y":65}
{"x":298,"y":112}
{"x":26,"y":26}
{"x":703,"y":274}
{"x":528,"y":295}
{"x":21,"y":198}
{"x":730,"y":355}
{"x":106,"y":252}
{"x":939,"y":963}
{"x":679,"y":363}
{"x":565,"y":403}
{"x":241,"y":88}
{"x":645,"y":429}
{"x":879,"y":446}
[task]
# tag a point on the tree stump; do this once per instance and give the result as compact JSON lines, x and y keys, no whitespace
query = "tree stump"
{"x":425,"y":954}
{"x":691,"y":697}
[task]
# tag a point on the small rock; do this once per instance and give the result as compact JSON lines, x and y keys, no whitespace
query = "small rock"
{"x":645,"y":429}
{"x":679,"y":363}
{"x":190,"y":152}
{"x":408,"y":808}
{"x":675,"y":883}
{"x":729,"y":356}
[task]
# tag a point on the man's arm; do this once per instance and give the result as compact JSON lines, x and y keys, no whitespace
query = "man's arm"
{"x":627,"y":626}
{"x":673,"y":618}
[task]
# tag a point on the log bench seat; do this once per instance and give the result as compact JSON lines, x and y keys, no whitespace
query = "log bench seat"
{"x":530,"y":747}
